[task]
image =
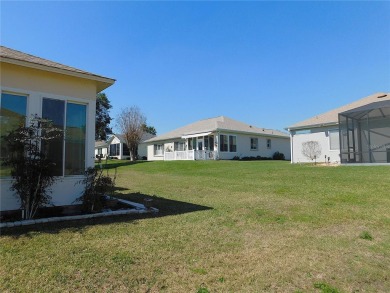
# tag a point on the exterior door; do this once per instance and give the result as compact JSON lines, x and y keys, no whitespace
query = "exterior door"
{"x":200,"y":144}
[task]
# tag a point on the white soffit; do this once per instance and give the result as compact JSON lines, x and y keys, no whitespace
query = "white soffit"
{"x":196,"y":134}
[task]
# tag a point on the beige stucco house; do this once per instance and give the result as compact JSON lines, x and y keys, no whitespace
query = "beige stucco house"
{"x":32,"y":85}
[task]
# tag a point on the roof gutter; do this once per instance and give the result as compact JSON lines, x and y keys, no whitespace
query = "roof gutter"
{"x":311,"y":126}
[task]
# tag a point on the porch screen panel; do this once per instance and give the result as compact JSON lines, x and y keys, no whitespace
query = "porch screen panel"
{"x":126,"y":151}
{"x":54,"y":110}
{"x":179,"y":146}
{"x":190,"y":144}
{"x":211,"y":142}
{"x":75,"y":141}
{"x":13,"y":110}
{"x":206,"y":142}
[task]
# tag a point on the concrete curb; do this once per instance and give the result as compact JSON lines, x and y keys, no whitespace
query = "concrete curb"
{"x":139,"y":209}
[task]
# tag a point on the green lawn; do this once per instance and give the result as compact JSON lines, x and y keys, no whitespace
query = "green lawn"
{"x":224,"y":226}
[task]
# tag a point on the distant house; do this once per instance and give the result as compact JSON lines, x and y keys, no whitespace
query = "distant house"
{"x":101,"y":149}
{"x":217,"y":138}
{"x":355,"y":133}
{"x":116,"y":147}
{"x":32,"y":85}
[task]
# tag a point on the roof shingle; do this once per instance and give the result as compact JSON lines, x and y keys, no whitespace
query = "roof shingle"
{"x":331,"y":117}
{"x":12,"y":54}
{"x":220,"y":123}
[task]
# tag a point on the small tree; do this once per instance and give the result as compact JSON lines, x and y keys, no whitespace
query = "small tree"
{"x":31,"y":170}
{"x":131,"y":123}
{"x":311,"y":149}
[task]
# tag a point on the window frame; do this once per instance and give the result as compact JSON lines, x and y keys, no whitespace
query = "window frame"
{"x":156,"y":149}
{"x":27,"y":112}
{"x":334,"y":130}
{"x":257,"y":144}
{"x":235,"y":143}
{"x":223,"y":145}
{"x":179,"y":146}
{"x":228,"y":143}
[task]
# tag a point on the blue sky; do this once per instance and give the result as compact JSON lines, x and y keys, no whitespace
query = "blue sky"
{"x":268,"y":64}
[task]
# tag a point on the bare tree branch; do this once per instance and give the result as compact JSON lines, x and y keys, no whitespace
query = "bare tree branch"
{"x":311,"y":149}
{"x":131,"y":124}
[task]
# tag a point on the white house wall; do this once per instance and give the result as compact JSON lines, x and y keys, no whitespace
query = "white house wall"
{"x":316,"y":134}
{"x":104,"y":151}
{"x":279,"y":144}
{"x":142,"y":150}
{"x":64,"y":192}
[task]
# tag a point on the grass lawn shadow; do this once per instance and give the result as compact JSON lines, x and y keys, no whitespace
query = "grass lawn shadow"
{"x":166,"y":207}
{"x":112,"y":164}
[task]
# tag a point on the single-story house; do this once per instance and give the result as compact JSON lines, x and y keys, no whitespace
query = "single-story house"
{"x":32,"y":85}
{"x":101,"y":148}
{"x":219,"y":138}
{"x":116,"y":147}
{"x":355,"y":133}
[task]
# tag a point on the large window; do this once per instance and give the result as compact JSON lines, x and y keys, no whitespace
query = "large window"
{"x":114,"y":149}
{"x":158,"y":150}
{"x":192,"y":143}
{"x":54,"y":110}
{"x":179,"y":146}
{"x":228,"y":143}
{"x":209,"y":143}
{"x":13,"y":109}
{"x":126,"y":150}
{"x":232,"y":143}
{"x":75,"y":136}
{"x":254,"y":143}
{"x":223,"y":143}
{"x":268,"y":143}
{"x":68,"y":150}
{"x":334,"y":140}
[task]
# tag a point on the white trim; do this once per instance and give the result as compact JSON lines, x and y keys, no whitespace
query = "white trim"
{"x":196,"y":135}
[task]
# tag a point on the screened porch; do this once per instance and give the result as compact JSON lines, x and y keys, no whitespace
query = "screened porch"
{"x":365,"y":134}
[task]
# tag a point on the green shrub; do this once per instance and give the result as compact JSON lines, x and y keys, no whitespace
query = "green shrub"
{"x":31,"y":171}
{"x":278,"y":156}
{"x":97,"y":186}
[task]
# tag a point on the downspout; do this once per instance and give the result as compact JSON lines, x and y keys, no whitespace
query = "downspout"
{"x":292,"y":147}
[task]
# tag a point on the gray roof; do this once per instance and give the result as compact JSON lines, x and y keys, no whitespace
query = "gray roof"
{"x":220,"y":123}
{"x":377,"y":109}
{"x":145,"y":136}
{"x":101,"y":144}
{"x":331,"y":117}
{"x":9,"y":55}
